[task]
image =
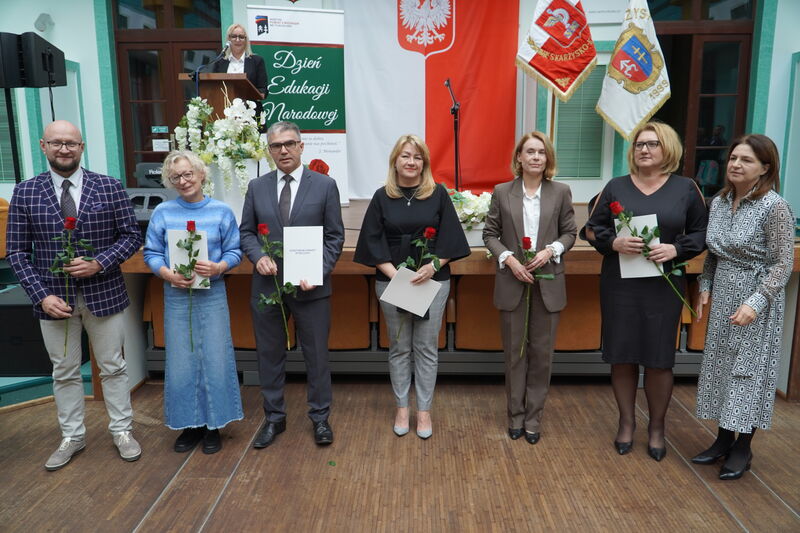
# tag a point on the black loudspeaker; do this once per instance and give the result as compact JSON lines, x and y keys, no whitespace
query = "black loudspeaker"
{"x":10,"y":75}
{"x":43,"y":64}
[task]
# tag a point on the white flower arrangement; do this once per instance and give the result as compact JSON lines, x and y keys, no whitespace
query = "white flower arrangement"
{"x":470,"y":208}
{"x":228,"y":141}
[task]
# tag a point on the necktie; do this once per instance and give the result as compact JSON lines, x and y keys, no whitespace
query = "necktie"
{"x":285,"y":201}
{"x":68,"y":208}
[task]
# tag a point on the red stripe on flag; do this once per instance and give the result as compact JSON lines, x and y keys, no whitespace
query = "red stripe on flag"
{"x":480,"y":65}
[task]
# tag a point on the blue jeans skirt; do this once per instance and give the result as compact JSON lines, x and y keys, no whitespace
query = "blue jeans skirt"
{"x":201,"y":387}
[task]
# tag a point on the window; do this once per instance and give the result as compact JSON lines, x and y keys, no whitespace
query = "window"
{"x":579,"y":131}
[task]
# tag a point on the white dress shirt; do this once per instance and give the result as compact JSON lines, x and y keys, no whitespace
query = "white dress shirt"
{"x":531,"y":211}
{"x":76,"y":178}
{"x":294,"y":185}
{"x":236,"y":66}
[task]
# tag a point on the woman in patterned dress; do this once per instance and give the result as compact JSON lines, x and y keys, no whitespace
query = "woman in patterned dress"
{"x":751,"y":249}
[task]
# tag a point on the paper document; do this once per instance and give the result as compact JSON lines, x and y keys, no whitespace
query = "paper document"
{"x":413,"y":298}
{"x":638,"y":266}
{"x":302,"y":254}
{"x":179,"y":256}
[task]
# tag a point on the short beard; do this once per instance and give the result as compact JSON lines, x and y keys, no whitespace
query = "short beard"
{"x":64,"y":168}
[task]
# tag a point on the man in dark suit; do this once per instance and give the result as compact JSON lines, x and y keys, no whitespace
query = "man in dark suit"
{"x":92,"y":293}
{"x":292,"y":195}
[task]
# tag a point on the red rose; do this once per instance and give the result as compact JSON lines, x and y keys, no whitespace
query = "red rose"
{"x":318,"y":165}
{"x":526,"y":243}
{"x":190,"y":225}
{"x":69,"y":222}
{"x":616,"y":208}
{"x":263,"y":229}
{"x":429,"y":233}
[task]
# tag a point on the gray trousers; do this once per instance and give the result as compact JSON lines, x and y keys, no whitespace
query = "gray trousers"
{"x":106,"y":335}
{"x":420,"y":337}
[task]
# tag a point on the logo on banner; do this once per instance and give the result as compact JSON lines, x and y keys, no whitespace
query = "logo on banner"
{"x":563,"y":22}
{"x":262,"y":24}
{"x":425,"y":26}
{"x":635,"y":62}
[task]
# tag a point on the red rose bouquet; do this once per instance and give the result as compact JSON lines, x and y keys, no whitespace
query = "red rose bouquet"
{"x":647,"y":235}
{"x":187,"y":270}
{"x":69,"y":250}
{"x":273,"y":250}
{"x":528,"y":253}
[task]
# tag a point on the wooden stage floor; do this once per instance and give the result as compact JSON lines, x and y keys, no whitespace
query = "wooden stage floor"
{"x":468,"y":477}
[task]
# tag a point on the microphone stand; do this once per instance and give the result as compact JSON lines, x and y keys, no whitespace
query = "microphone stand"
{"x":196,"y":74}
{"x":454,"y":110}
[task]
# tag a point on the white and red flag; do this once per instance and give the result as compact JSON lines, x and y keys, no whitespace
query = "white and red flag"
{"x":558,"y":49}
{"x":636,"y":83}
{"x":399,"y":53}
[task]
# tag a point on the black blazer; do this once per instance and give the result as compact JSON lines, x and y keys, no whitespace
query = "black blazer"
{"x":254,"y":67}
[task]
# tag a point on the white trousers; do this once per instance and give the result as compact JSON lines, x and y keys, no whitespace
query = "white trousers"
{"x":106,"y":336}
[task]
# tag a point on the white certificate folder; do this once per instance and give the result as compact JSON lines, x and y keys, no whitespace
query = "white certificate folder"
{"x":413,"y":298}
{"x":302,"y":254}
{"x":638,"y":266}
{"x":179,"y":256}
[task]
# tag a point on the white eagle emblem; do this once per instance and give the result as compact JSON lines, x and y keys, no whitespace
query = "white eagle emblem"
{"x":424,"y":17}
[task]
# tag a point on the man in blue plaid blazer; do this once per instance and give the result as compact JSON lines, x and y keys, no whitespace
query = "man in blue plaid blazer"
{"x":92,"y":297}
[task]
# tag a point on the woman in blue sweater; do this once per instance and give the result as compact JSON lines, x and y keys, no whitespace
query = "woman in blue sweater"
{"x":201,"y":387}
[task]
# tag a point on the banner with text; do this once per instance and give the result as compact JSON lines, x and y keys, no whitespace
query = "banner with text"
{"x":303,"y":50}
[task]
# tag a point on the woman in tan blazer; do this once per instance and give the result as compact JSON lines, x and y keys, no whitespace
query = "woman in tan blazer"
{"x":536,"y":207}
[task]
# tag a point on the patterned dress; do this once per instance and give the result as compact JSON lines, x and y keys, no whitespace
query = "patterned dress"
{"x":750,"y":260}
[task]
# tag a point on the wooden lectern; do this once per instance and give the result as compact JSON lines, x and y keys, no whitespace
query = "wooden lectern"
{"x":213,"y":87}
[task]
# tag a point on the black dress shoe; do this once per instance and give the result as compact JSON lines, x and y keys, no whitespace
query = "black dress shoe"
{"x":726,"y":473}
{"x":532,"y":438}
{"x":656,"y":453}
{"x":623,"y":447}
{"x":188,"y":439}
{"x":268,"y":432}
{"x":212,"y":443}
{"x":323,"y":434}
{"x":515,"y":433}
{"x":709,"y":457}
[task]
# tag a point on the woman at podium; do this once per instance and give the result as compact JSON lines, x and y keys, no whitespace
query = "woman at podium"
{"x":240,"y":59}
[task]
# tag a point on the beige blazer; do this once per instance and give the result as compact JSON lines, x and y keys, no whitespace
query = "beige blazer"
{"x":505,"y":229}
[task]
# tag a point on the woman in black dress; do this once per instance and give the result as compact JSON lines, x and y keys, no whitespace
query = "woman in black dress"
{"x":640,"y":315}
{"x":398,"y":214}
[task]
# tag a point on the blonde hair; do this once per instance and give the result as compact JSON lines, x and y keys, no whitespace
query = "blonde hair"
{"x":248,"y":51}
{"x":427,"y":185}
{"x":671,"y":146}
{"x":550,"y":167}
{"x":176,"y":155}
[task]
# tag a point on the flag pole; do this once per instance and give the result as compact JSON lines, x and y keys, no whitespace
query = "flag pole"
{"x":552,"y":116}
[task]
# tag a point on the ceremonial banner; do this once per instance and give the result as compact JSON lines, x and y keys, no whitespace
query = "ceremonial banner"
{"x":399,"y":53}
{"x":303,"y":50}
{"x":636,"y":83}
{"x":558,"y":50}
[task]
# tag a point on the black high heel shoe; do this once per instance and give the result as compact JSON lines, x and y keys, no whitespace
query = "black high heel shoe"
{"x":708,"y":457}
{"x":727,"y":474}
{"x":657,"y":453}
{"x":623,"y":447}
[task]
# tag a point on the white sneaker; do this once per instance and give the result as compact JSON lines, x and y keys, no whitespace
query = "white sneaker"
{"x":64,"y":453}
{"x":128,"y":448}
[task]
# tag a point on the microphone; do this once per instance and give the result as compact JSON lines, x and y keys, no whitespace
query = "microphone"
{"x":447,"y":83}
{"x":226,"y":47}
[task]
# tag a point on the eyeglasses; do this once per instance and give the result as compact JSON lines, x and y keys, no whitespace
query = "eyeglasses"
{"x":651,"y":145}
{"x":176,"y":179}
{"x":289,"y":145}
{"x":238,"y":37}
{"x":57,"y":145}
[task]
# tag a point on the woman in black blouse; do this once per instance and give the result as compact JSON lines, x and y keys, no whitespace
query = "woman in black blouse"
{"x":398,"y":215}
{"x":240,"y":59}
{"x":640,"y":316}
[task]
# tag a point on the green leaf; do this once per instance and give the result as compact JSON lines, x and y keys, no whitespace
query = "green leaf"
{"x":401,"y":265}
{"x":677,"y":272}
{"x":656,"y":232}
{"x":437,"y":265}
{"x":205,"y":283}
{"x":87,"y":258}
